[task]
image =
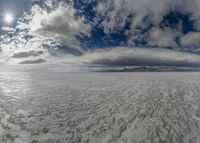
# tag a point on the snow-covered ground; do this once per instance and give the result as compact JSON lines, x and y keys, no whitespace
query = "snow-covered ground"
{"x":58,"y":107}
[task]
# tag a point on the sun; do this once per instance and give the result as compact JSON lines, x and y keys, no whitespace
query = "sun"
{"x":8,"y":18}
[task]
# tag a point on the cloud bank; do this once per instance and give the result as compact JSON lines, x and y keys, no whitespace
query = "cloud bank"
{"x":126,"y":56}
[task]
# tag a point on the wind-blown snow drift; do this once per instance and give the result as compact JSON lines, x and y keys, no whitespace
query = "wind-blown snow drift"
{"x":59,"y":107}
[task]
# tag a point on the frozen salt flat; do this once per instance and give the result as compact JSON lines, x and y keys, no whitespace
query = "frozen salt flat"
{"x":58,"y":107}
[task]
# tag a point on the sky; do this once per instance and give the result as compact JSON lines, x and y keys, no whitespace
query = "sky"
{"x":103,"y":33}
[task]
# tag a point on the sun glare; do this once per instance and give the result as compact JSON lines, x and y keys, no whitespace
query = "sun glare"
{"x":8,"y":18}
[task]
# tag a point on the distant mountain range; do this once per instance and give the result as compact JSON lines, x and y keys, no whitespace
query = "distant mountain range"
{"x":155,"y":69}
{"x":136,"y":69}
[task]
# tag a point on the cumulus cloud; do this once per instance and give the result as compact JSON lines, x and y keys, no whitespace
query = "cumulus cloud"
{"x":192,"y":39}
{"x":40,"y":32}
{"x":145,"y":18}
{"x":125,"y":56}
{"x":116,"y":12}
{"x":49,"y":23}
{"x":163,"y":37}
{"x":16,"y":49}
{"x":60,"y":23}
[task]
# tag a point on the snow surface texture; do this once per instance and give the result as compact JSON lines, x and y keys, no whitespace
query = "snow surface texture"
{"x":55,"y":107}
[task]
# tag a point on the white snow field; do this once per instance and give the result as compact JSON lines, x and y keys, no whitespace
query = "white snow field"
{"x":59,"y":107}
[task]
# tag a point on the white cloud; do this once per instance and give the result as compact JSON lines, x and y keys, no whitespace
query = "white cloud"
{"x":192,"y":39}
{"x":60,"y":23}
{"x":117,"y":11}
{"x":163,"y":37}
{"x":142,"y":14}
{"x":54,"y":23}
{"x":8,"y":29}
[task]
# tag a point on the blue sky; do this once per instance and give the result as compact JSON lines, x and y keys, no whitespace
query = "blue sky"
{"x":84,"y":31}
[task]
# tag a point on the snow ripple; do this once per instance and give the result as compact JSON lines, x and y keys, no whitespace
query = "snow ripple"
{"x":100,"y":108}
